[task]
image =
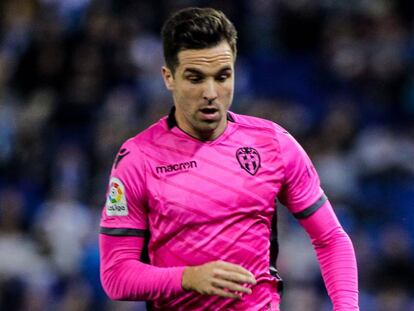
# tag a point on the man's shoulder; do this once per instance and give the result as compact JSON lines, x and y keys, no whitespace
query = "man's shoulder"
{"x":137,"y":146}
{"x":150,"y":134}
{"x":145,"y":139}
{"x":256,"y":123}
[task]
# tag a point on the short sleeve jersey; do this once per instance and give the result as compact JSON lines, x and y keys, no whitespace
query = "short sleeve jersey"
{"x":201,"y":201}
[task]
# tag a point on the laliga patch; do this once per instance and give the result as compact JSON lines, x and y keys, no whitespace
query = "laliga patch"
{"x":116,"y":204}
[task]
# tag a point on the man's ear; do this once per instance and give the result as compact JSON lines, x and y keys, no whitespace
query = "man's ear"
{"x":168,"y":78}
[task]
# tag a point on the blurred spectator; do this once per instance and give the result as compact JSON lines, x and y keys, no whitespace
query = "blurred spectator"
{"x":62,"y":221}
{"x":24,"y":269}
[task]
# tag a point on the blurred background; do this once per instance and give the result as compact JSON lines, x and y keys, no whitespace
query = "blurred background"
{"x":78,"y":77}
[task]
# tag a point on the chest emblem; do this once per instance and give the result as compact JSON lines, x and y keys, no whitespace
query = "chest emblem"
{"x":249,"y":159}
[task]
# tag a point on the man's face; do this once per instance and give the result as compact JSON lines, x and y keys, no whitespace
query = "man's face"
{"x":202,"y":88}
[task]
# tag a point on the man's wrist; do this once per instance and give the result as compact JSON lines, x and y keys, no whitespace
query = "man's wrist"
{"x":185,"y":284}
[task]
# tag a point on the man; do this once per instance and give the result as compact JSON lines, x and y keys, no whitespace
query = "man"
{"x":201,"y":184}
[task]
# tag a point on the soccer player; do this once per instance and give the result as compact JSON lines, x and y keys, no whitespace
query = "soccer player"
{"x":197,"y":191}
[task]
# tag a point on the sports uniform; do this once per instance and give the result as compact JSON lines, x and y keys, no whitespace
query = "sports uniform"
{"x":201,"y":201}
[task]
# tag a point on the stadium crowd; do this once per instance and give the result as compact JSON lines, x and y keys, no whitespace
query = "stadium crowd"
{"x":78,"y":77}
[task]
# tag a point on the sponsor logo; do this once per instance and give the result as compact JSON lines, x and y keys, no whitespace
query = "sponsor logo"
{"x":121,"y":154}
{"x":116,"y":204}
{"x":185,"y":166}
{"x":249,"y":159}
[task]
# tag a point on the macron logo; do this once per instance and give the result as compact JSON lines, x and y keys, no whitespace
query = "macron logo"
{"x":176,"y":167}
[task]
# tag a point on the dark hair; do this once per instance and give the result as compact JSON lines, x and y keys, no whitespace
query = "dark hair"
{"x":195,"y":28}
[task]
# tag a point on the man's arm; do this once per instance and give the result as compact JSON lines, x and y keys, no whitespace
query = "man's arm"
{"x":305,"y":199}
{"x":335,"y":255}
{"x":124,"y":277}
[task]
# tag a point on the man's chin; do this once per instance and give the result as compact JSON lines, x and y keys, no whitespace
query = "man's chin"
{"x":209,"y":130}
{"x":206,"y":130}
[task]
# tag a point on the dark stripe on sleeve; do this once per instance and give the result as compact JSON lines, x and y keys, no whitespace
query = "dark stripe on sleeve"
{"x":123,"y":232}
{"x":311,"y":209}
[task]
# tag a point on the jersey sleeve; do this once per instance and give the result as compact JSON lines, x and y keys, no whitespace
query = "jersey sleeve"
{"x":301,"y":192}
{"x":125,"y":212}
{"x":336,"y":257}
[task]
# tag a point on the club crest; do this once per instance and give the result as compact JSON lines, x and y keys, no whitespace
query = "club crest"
{"x":249,"y":159}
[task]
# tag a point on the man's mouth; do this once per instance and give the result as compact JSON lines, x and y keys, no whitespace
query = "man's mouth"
{"x":209,"y":113}
{"x":208,"y":110}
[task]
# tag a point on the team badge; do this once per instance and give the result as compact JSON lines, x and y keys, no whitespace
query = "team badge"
{"x":116,"y":204}
{"x":249,"y":159}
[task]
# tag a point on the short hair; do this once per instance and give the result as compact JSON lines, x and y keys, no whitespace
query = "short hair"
{"x":195,"y":28}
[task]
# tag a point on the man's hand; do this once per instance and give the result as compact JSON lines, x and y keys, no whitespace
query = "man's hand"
{"x":218,"y":278}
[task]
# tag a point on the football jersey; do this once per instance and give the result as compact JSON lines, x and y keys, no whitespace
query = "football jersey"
{"x":201,"y":201}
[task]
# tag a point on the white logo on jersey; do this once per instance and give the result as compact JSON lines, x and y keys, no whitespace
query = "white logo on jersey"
{"x":116,"y":204}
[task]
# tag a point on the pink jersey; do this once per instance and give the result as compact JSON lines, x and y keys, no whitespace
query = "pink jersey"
{"x":213,"y":200}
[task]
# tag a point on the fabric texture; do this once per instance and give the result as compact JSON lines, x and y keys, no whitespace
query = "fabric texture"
{"x":205,"y":201}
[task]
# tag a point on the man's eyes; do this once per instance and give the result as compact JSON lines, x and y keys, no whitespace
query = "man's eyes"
{"x":195,"y":79}
{"x":198,"y":79}
{"x":222,"y":77}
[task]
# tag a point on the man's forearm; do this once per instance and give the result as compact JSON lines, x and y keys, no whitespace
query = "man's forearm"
{"x":339,"y":271}
{"x":124,"y":277}
{"x":336,"y":257}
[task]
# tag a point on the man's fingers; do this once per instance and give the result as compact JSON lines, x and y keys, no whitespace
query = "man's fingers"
{"x":233,"y":276}
{"x":223,"y":293}
{"x":235,"y":268}
{"x":219,"y":278}
{"x":231,"y":286}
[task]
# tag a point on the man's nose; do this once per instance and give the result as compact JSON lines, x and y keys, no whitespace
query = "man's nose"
{"x":210,"y":91}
